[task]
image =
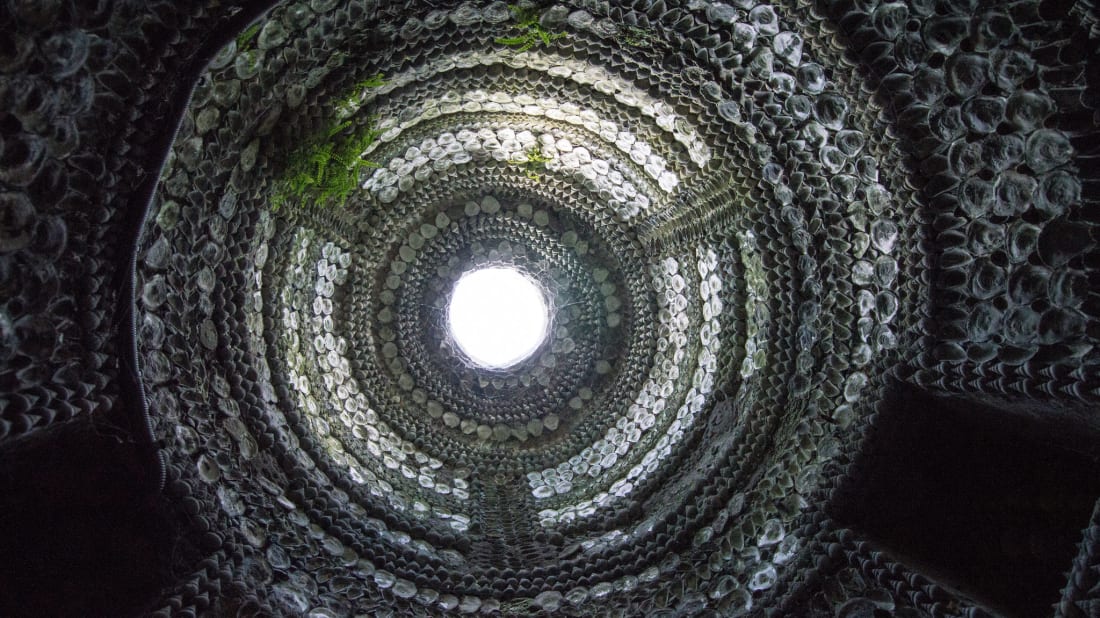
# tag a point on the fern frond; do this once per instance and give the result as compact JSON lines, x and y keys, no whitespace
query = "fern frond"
{"x":512,"y":41}
{"x":372,"y":82}
{"x":246,"y":36}
{"x":347,"y":105}
{"x":527,"y":20}
{"x":326,"y":169}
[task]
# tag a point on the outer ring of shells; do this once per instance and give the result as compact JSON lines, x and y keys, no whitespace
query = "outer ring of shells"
{"x":733,"y":258}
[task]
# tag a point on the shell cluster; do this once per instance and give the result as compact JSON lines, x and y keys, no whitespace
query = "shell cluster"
{"x":748,"y":218}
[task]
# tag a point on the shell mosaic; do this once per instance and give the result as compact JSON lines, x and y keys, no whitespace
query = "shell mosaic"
{"x":746,"y":216}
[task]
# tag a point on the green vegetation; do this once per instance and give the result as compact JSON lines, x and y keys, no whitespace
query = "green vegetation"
{"x":326,"y":169}
{"x":372,"y":82}
{"x":527,"y":20}
{"x":347,"y":106}
{"x":244,"y":39}
{"x":638,"y":37}
{"x":533,"y":163}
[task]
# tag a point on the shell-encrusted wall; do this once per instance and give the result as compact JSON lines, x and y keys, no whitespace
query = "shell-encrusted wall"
{"x":748,"y":218}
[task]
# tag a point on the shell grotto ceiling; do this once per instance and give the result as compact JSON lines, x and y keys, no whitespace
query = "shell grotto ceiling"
{"x":764,"y":247}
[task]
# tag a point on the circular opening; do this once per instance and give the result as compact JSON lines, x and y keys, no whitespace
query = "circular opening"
{"x":497,"y":316}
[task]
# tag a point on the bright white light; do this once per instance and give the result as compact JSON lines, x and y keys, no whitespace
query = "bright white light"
{"x":497,"y":316}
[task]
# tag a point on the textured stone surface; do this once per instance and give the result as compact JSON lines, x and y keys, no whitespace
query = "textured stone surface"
{"x":747,"y":218}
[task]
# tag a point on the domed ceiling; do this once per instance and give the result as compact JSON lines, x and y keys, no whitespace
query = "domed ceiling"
{"x":747,"y":221}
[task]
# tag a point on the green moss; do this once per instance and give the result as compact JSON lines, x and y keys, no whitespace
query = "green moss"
{"x":533,"y":163}
{"x":527,"y":20}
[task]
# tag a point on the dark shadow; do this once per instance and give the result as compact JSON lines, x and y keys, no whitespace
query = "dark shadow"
{"x":82,"y":533}
{"x":974,"y":497}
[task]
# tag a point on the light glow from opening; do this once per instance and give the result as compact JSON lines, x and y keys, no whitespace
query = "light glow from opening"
{"x":497,"y":316}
